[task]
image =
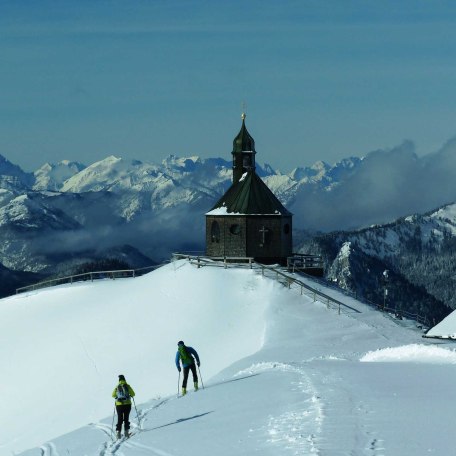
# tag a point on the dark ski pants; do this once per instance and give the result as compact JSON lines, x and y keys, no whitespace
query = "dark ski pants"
{"x":123,"y":413}
{"x":186,"y":370}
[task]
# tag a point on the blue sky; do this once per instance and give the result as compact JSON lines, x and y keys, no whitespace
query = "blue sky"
{"x":322,"y":80}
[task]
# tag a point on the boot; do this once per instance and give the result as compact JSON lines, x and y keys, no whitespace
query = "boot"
{"x":119,"y":435}
{"x":127,"y":433}
{"x":195,"y":384}
{"x":184,"y":391}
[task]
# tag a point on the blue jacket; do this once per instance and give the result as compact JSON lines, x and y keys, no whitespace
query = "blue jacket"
{"x":192,"y":352}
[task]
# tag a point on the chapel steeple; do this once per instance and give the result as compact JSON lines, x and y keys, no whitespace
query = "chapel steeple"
{"x":243,"y":152}
{"x":248,"y":221}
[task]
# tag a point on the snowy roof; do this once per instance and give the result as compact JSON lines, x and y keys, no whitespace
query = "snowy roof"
{"x":446,"y":329}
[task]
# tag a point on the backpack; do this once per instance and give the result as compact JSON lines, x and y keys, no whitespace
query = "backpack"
{"x":185,"y":355}
{"x":122,"y":392}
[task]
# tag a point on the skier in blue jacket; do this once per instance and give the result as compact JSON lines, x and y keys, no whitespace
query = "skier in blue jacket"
{"x":187,"y":355}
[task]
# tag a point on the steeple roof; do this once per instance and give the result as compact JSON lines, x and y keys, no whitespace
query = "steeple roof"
{"x":243,"y":142}
{"x":249,"y":196}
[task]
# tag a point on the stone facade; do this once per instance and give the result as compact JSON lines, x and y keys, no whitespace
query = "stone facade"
{"x":265,"y":238}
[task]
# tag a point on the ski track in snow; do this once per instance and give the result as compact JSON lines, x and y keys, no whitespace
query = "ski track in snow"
{"x":113,"y":446}
{"x":358,"y":434}
{"x":295,"y":430}
{"x":147,"y":449}
{"x":304,"y":429}
{"x":110,"y":448}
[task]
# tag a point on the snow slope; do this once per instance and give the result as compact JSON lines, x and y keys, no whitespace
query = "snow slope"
{"x":294,"y":377}
{"x":62,"y":348}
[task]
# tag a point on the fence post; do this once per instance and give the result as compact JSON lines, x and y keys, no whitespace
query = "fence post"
{"x":224,"y":260}
{"x":315,"y":296}
{"x":301,"y":290}
{"x":198,"y":259}
{"x":339,"y":308}
{"x":327,"y":303}
{"x":91,"y":277}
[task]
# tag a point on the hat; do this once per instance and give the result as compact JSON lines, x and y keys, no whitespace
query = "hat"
{"x":121,"y":377}
{"x":181,"y":342}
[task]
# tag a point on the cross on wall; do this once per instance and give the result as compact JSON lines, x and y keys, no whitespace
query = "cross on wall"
{"x":263,"y":232}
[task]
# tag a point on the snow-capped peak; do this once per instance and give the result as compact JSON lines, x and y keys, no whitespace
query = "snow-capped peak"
{"x":53,"y":176}
{"x":102,"y":175}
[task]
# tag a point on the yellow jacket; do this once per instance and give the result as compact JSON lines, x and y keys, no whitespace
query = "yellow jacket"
{"x":130,"y":391}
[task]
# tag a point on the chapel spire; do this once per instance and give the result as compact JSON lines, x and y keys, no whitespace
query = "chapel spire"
{"x":243,"y":152}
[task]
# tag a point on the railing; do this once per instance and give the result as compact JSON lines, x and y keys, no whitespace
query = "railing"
{"x":422,"y":320}
{"x":201,"y":260}
{"x":225,"y":262}
{"x":290,"y":282}
{"x":95,"y":275}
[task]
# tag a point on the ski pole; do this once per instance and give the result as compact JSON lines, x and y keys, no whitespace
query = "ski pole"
{"x":137,"y":414}
{"x":112,"y":425}
{"x":202,"y":383}
{"x":178,"y":383}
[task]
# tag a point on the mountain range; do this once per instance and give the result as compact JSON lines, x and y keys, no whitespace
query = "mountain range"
{"x":67,"y":209}
{"x":64,"y":214}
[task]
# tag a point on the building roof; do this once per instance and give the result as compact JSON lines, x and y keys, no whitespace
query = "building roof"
{"x":249,"y":196}
{"x":243,"y":142}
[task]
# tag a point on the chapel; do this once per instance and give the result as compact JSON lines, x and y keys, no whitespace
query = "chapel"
{"x":248,"y":220}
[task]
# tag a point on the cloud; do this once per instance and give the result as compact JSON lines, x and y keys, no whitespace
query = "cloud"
{"x":155,"y":234}
{"x":389,"y":184}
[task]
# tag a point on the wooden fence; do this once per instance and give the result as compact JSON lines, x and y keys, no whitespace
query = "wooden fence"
{"x":88,"y":276}
{"x":249,"y":262}
{"x":291,"y":281}
{"x":273,"y":272}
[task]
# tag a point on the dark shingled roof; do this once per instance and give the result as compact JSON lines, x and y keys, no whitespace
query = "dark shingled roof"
{"x":251,"y":196}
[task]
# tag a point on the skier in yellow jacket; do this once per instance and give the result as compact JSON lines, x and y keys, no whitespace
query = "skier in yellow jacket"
{"x":122,"y":394}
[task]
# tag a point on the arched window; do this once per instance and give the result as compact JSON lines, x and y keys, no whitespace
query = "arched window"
{"x":215,"y":232}
{"x":235,"y":229}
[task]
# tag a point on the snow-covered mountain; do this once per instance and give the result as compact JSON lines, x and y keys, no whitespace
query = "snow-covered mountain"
{"x":159,"y":208}
{"x":53,"y":176}
{"x":71,"y":209}
{"x":282,"y":374}
{"x":418,"y":250}
{"x":12,"y":177}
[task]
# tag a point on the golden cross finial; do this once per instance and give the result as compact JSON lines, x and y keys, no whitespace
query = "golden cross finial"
{"x":243,"y":116}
